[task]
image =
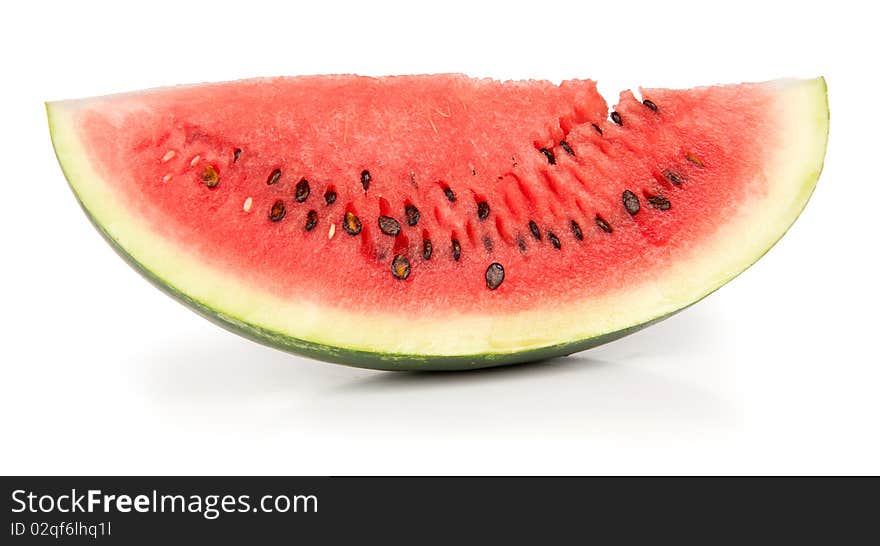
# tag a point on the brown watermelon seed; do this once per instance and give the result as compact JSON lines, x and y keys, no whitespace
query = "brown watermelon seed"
{"x":659,"y":202}
{"x":210,"y":176}
{"x":482,"y":210}
{"x":603,"y":225}
{"x":615,"y":117}
{"x":566,"y":147}
{"x":400,"y":267}
{"x":551,"y":159}
{"x":487,"y":243}
{"x":456,"y":250}
{"x":365,"y":179}
{"x":412,"y":215}
{"x":449,"y":194}
{"x":236,"y":154}
{"x":494,"y":275}
{"x":277,"y":212}
{"x":521,"y":243}
{"x":693,"y":159}
{"x":533,"y":227}
{"x":389,"y":226}
{"x":329,"y":197}
{"x":311,"y":220}
{"x":631,"y":202}
{"x":554,"y":240}
{"x":597,"y":128}
{"x":650,"y":104}
{"x":576,"y":229}
{"x":302,"y":191}
{"x":674,"y":177}
{"x":351,"y":224}
{"x":273,"y":177}
{"x":427,"y":248}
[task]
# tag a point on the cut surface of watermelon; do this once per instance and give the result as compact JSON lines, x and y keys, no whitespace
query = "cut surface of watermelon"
{"x":441,"y":222}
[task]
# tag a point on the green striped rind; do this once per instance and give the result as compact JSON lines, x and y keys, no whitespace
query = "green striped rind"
{"x":397,"y":361}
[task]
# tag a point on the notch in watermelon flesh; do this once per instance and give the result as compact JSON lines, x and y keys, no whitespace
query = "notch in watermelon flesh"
{"x":441,"y":222}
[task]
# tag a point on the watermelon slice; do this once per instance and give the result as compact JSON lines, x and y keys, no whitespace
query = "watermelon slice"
{"x":441,"y":222}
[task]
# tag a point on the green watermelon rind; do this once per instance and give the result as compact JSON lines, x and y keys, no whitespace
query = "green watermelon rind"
{"x":422,"y":362}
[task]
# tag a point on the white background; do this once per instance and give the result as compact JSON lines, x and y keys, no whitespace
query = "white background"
{"x":778,"y":372}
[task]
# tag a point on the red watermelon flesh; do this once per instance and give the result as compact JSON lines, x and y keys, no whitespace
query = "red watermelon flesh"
{"x":326,"y":193}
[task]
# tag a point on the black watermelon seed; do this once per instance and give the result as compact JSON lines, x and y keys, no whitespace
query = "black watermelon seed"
{"x":533,"y":227}
{"x":329,"y":197}
{"x":302,"y":191}
{"x":566,"y":147}
{"x":551,"y":159}
{"x":494,"y":275}
{"x":482,"y":210}
{"x":210,"y":176}
{"x":449,"y":194}
{"x":650,"y":104}
{"x":236,"y":154}
{"x":456,"y":249}
{"x":674,"y":177}
{"x":658,"y":202}
{"x":615,"y":117}
{"x":487,"y":243}
{"x":631,"y":202}
{"x":597,"y":128}
{"x":521,"y":243}
{"x":389,"y":225}
{"x":427,"y":248}
{"x":273,"y":177}
{"x":576,"y":229}
{"x":365,"y":179}
{"x":603,"y":224}
{"x":400,"y":267}
{"x":277,"y":212}
{"x":412,"y":215}
{"x":311,"y":220}
{"x":351,"y":224}
{"x":554,"y":240}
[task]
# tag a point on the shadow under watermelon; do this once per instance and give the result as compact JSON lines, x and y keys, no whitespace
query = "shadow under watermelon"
{"x":661,"y":381}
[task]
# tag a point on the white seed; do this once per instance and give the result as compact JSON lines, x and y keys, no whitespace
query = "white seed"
{"x":248,"y":203}
{"x":332,"y":231}
{"x":169,"y":155}
{"x":195,"y":160}
{"x":167,"y":177}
